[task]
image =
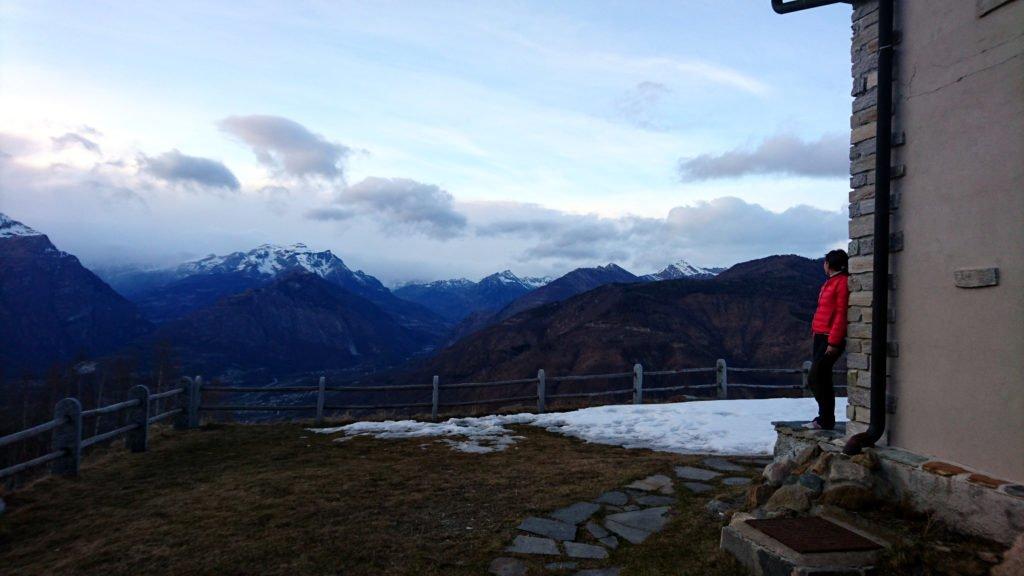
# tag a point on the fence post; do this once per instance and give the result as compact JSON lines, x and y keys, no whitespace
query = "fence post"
{"x":542,"y":401}
{"x":67,"y":437}
{"x":320,"y":400}
{"x":638,"y":383}
{"x":137,"y":438}
{"x":194,"y":400}
{"x":184,"y":400}
{"x":805,"y":377}
{"x":435,"y":396}
{"x":722,"y":379}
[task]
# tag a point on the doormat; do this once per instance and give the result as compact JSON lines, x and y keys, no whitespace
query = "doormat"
{"x":813,"y":535}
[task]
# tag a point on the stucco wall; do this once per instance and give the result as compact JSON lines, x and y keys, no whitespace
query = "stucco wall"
{"x":958,"y":367}
{"x":959,"y":378}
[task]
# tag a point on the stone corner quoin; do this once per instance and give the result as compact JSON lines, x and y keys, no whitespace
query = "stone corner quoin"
{"x":863,"y":119}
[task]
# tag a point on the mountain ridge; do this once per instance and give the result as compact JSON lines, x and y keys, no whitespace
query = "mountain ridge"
{"x":758,"y":316}
{"x":52,"y":308}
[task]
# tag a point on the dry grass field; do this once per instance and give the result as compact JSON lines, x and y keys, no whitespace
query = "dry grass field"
{"x":277,"y":500}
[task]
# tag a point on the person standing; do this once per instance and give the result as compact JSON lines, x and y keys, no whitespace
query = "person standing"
{"x":829,"y":337}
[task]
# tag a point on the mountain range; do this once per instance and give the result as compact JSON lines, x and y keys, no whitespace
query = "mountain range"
{"x":456,"y":299}
{"x":171,"y":294}
{"x":276,"y":310}
{"x":755,"y":314}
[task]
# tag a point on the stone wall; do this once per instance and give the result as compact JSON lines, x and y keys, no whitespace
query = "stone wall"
{"x":966,"y":500}
{"x":863,"y":121}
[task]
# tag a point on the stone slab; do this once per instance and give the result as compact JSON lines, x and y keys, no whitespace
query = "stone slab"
{"x":560,"y":566}
{"x":722,"y":465}
{"x":901,"y":456}
{"x":942,"y":468}
{"x":576,"y":513}
{"x":736,"y":481}
{"x":649,"y":520}
{"x":976,"y":277}
{"x":653,"y":483}
{"x":630,"y":534}
{"x":697,"y":487}
{"x":580,"y":550}
{"x":693,"y":473}
{"x":508,"y":567}
{"x":600,"y":572}
{"x":615,"y":498}
{"x":596,"y":530}
{"x":653,"y":500}
{"x":1014,"y":490}
{"x":533,"y":545}
{"x":717,"y":508}
{"x":549,"y":528}
{"x":610,"y":541}
{"x":986,"y":480}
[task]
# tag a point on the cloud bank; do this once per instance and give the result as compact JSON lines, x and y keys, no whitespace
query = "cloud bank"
{"x":398,"y":202}
{"x":782,"y":154}
{"x":110,"y":206}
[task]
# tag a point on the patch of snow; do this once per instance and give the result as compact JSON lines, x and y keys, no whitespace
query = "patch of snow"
{"x":728,"y":427}
{"x":507,"y":277}
{"x":270,"y":260}
{"x":85,"y":367}
{"x":481,"y":435}
{"x":534,"y":282}
{"x":452,"y":284}
{"x":10,"y":228}
{"x":681,"y":269}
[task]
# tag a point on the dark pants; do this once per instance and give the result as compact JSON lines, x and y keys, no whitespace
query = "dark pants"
{"x":820,"y":380}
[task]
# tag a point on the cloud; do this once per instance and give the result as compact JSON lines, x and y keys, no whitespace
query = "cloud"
{"x":288,"y":146}
{"x":398,"y":201}
{"x":782,"y":154}
{"x":12,"y":145}
{"x":640,"y":105}
{"x":72,"y":139}
{"x":175,"y":167}
{"x":329,"y":213}
{"x":277,"y":198}
{"x":721,"y":231}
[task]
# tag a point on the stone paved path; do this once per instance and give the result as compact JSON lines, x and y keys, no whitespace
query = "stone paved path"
{"x":583,"y":534}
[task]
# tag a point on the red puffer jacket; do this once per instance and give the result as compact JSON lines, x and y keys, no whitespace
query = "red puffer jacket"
{"x":830,"y":317}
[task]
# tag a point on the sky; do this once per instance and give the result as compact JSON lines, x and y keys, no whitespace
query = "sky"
{"x":427,"y":140}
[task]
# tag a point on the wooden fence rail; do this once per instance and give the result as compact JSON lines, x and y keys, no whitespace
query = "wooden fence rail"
{"x":67,"y":443}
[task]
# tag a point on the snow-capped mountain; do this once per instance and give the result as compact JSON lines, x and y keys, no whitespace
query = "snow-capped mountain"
{"x":534,"y":282}
{"x":270,"y":260}
{"x":173,"y":293}
{"x":10,"y":228}
{"x":458,"y":298}
{"x":51,"y":307}
{"x":682,"y":269}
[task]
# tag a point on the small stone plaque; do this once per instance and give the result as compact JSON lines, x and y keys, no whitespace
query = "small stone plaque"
{"x":976,"y":277}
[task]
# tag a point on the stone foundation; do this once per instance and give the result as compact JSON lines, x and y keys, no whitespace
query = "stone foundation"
{"x":809,"y":468}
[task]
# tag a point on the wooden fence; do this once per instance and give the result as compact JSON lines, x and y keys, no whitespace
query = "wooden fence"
{"x":67,"y":442}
